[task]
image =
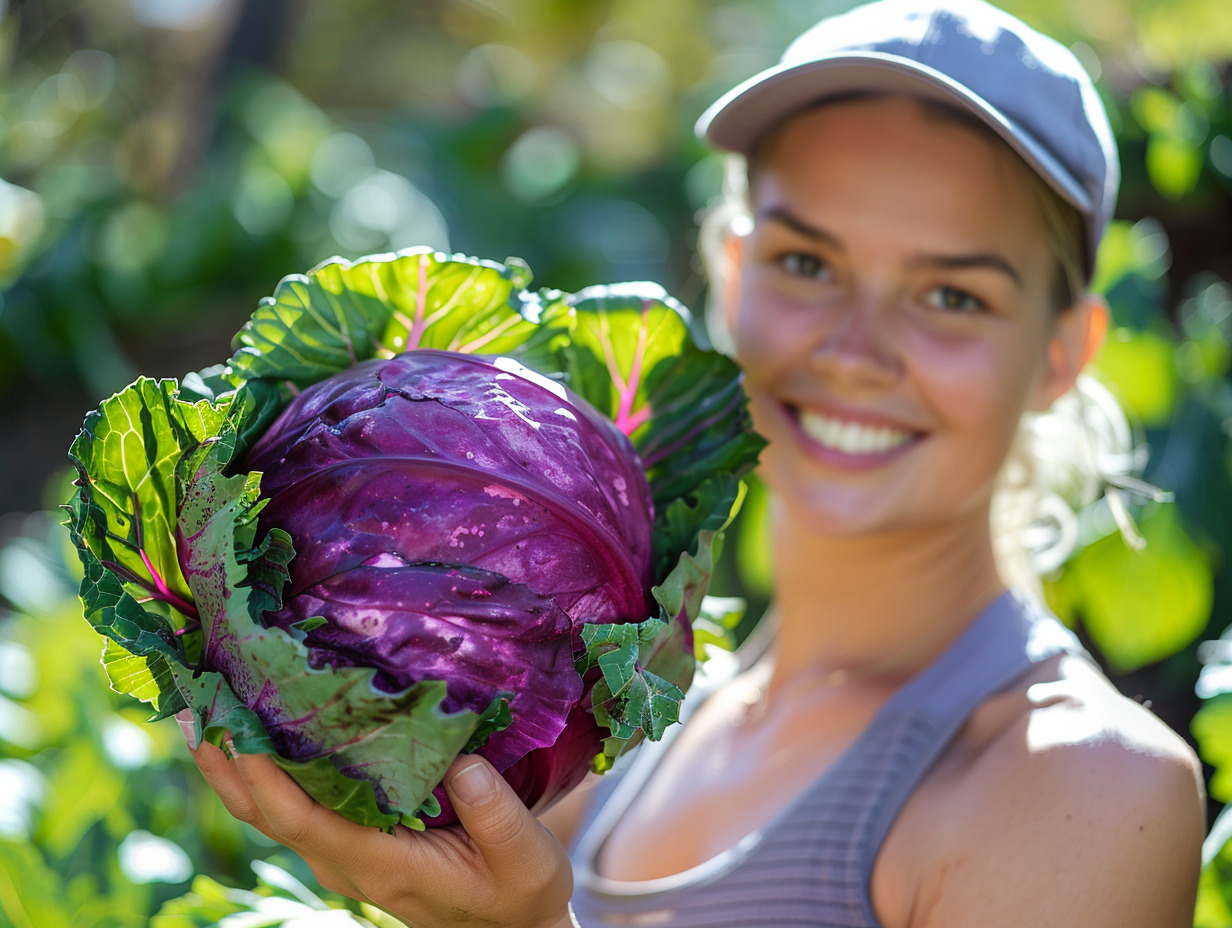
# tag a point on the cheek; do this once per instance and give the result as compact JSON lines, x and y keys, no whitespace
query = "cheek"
{"x":771,"y":334}
{"x":979,"y":389}
{"x":756,"y":337}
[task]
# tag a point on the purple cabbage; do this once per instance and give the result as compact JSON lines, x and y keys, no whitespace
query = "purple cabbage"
{"x":470,"y":561}
{"x":457,"y":517}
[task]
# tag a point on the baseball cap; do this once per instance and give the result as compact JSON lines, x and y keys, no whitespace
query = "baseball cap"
{"x":1027,"y":87}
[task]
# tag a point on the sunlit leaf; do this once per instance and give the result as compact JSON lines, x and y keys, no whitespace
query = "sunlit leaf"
{"x":125,"y":509}
{"x":320,"y":323}
{"x":1174,"y":164}
{"x":1140,"y":369}
{"x":145,"y":678}
{"x":1212,"y":727}
{"x":1140,"y":607}
{"x":631,"y":356}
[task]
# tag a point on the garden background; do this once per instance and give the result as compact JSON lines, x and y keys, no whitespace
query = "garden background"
{"x":163,"y":163}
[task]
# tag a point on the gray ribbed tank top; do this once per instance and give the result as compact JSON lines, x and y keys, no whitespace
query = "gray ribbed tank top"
{"x":812,"y":863}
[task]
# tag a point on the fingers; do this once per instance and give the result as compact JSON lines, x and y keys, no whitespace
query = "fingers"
{"x":255,"y":790}
{"x":224,"y":779}
{"x":331,"y":843}
{"x":486,"y":806}
{"x":514,"y":845}
{"x":289,"y":812}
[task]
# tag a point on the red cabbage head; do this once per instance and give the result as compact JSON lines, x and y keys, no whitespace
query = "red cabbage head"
{"x":459,"y":518}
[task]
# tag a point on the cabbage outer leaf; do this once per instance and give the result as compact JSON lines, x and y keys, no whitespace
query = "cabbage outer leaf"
{"x":321,"y":323}
{"x":126,"y":457}
{"x":631,"y":353}
{"x":629,"y":700}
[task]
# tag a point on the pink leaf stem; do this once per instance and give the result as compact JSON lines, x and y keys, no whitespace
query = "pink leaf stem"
{"x":496,"y":331}
{"x":632,"y":423}
{"x":164,"y":592}
{"x":421,"y":302}
{"x":627,"y":419}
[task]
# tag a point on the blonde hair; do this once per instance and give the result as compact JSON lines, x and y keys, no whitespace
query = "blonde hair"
{"x":1062,"y":459}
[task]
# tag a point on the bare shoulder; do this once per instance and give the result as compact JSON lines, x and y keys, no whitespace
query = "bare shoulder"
{"x":1077,"y":732}
{"x":1087,"y":739}
{"x":1075,"y":806}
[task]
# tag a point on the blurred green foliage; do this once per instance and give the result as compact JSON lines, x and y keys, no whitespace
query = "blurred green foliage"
{"x":164,"y":162}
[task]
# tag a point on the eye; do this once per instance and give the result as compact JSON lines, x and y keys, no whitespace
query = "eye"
{"x":954,"y":300}
{"x":803,"y":264}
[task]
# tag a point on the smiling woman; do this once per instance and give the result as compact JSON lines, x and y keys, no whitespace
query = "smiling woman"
{"x":900,"y":266}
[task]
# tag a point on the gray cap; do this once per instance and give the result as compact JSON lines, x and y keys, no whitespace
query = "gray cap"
{"x":1028,"y":88}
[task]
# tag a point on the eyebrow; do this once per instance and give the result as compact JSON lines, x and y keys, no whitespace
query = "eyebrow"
{"x":784,"y":216}
{"x":979,"y":260}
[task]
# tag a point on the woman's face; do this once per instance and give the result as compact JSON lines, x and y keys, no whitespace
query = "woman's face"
{"x":892,"y":315}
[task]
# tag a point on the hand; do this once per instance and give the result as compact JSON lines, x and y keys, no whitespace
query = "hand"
{"x":499,"y":868}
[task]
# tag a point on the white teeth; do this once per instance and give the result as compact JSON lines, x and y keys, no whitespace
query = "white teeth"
{"x":850,"y":437}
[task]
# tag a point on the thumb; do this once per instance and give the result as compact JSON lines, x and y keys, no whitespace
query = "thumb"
{"x":527,"y":868}
{"x":496,"y":820}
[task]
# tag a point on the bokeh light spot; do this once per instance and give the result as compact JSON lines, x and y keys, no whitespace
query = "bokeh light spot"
{"x":132,"y":237}
{"x":21,"y":791}
{"x":18,"y":673}
{"x":96,"y":70}
{"x":340,"y":162}
{"x":263,"y":201}
{"x":128,"y":746}
{"x":629,"y":74}
{"x":540,"y":163}
{"x":174,"y":14}
{"x":386,"y":210}
{"x":147,"y":858}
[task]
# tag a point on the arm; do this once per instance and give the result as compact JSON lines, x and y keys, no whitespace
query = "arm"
{"x":501,"y":868}
{"x":1094,"y":834}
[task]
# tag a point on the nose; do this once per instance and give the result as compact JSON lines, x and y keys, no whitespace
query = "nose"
{"x":858,"y":343}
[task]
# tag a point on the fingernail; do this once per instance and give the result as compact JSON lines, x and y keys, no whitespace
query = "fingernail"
{"x":188,"y":725}
{"x":474,"y":784}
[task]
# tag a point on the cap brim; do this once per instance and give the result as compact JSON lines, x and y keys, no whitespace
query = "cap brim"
{"x":740,"y":118}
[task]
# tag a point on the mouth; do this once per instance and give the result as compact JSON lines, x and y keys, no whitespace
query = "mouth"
{"x":852,"y":439}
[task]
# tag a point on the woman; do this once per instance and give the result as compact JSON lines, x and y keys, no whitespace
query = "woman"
{"x":926,"y":187}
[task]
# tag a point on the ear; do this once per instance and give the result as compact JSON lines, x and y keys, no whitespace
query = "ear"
{"x":1077,"y":334}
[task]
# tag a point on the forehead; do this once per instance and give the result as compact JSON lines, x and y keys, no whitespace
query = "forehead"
{"x":876,"y":119}
{"x":892,"y":160}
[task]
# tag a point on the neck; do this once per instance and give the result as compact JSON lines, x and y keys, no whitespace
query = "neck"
{"x":879,"y":606}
